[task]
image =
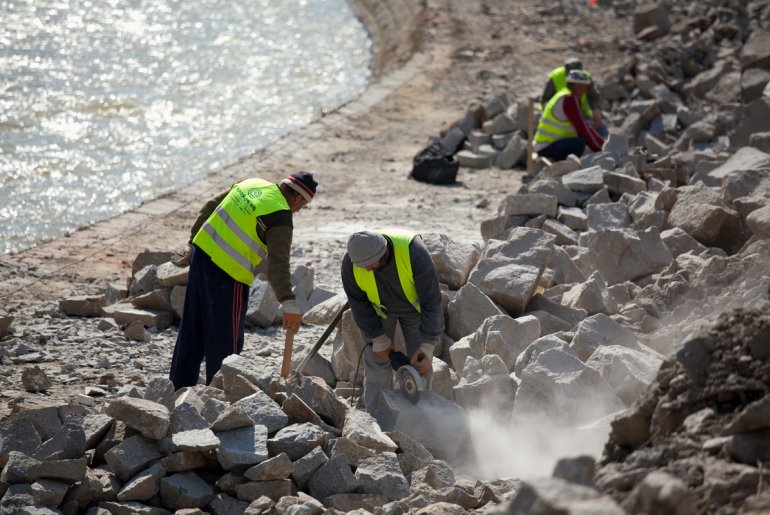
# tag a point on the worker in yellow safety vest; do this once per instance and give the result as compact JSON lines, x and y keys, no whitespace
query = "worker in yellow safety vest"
{"x":589,"y":101}
{"x":239,"y":233}
{"x":562,"y":129}
{"x":388,"y":277}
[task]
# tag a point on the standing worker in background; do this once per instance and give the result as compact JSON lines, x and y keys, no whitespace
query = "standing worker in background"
{"x":562,"y":130}
{"x":234,"y":233}
{"x":589,"y":101}
{"x":389,"y":277}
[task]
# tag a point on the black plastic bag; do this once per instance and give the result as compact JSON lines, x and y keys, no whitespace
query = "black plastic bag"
{"x":434,"y":166}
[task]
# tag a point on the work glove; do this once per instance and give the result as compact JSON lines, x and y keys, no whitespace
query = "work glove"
{"x":292,"y":319}
{"x":381,"y":345}
{"x":423,"y":358}
{"x":186,"y":257}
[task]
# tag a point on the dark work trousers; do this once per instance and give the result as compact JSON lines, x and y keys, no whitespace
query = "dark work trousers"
{"x":212,"y":321}
{"x":559,"y":150}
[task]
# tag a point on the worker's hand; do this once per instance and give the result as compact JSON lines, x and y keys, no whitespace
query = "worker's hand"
{"x":381,"y":345}
{"x":186,"y":257}
{"x":292,"y":321}
{"x":422,"y":359}
{"x":384,"y":354}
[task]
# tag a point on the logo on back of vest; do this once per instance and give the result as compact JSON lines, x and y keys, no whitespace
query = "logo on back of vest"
{"x":254,"y":193}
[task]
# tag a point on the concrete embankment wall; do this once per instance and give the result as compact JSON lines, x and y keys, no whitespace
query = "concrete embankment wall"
{"x":394,"y":26}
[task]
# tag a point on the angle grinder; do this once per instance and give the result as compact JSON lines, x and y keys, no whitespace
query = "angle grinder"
{"x":409,"y":381}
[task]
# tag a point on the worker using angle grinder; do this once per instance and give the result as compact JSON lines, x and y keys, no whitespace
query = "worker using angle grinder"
{"x":389,"y":277}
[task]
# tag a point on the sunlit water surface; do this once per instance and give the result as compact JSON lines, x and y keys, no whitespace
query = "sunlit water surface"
{"x":106,"y":104}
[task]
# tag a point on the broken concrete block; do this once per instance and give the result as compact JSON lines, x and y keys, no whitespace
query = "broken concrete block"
{"x":148,"y":417}
{"x":263,"y":307}
{"x":625,"y":255}
{"x":185,"y":490}
{"x":530,"y":204}
{"x":628,"y":371}
{"x":242,"y":447}
{"x":607,"y":216}
{"x":382,"y":475}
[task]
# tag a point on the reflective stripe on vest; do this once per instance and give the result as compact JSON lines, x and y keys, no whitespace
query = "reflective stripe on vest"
{"x":559,"y":79}
{"x":550,"y":128}
{"x":365,"y":279}
{"x":229,"y":235}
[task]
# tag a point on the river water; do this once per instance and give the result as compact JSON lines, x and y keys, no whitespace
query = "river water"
{"x":107,"y":103}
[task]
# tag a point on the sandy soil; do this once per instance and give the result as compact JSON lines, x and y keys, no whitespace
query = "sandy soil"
{"x":361,"y":154}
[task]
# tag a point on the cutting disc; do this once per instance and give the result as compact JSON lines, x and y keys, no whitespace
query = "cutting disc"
{"x":410,"y":383}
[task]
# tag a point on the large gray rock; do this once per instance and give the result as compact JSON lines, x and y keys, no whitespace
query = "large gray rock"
{"x":68,"y":443}
{"x":143,"y":486}
{"x":558,"y":386}
{"x":453,"y":260}
{"x":242,"y":447}
{"x":148,"y":417}
{"x":333,"y":477}
{"x":468,"y":310}
{"x":263,"y":411}
{"x":754,"y":120}
{"x":564,"y":196}
{"x":661,"y":492}
{"x":304,"y":468}
{"x":755,"y":53}
{"x":131,"y":456}
{"x":628,"y":371}
{"x":625,"y":255}
{"x":263,"y":307}
{"x":702,"y":213}
{"x":586,"y":180}
{"x":679,"y":242}
{"x":746,"y":183}
{"x":324,"y":312}
{"x":503,"y":336}
{"x":531,"y":204}
{"x":21,"y":468}
{"x":508,"y":271}
{"x":758,"y":222}
{"x":591,"y":296}
{"x":362,"y":428}
{"x":382,"y":475}
{"x":598,"y":330}
{"x":486,"y":384}
{"x":607,"y":216}
{"x":297,"y":440}
{"x":252,"y":369}
{"x":319,"y":397}
{"x":746,"y":158}
{"x":413,"y":455}
{"x":185,"y":490}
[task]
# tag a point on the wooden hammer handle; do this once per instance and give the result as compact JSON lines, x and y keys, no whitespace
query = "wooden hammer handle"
{"x":288,"y":346}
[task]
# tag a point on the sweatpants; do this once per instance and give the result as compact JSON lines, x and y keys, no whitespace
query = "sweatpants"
{"x":378,"y":374}
{"x":212,"y":321}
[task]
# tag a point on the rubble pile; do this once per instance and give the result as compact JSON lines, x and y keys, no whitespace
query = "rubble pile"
{"x":690,"y":91}
{"x":248,"y":443}
{"x":702,"y":428}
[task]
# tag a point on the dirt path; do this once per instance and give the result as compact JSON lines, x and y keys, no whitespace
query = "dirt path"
{"x":361,"y":154}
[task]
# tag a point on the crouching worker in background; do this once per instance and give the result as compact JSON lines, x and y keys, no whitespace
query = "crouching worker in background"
{"x":562,"y":130}
{"x":389,"y":277}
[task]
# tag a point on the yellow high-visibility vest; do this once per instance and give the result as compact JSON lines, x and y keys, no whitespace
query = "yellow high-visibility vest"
{"x":229,"y":235}
{"x":550,"y":128}
{"x":365,"y":279}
